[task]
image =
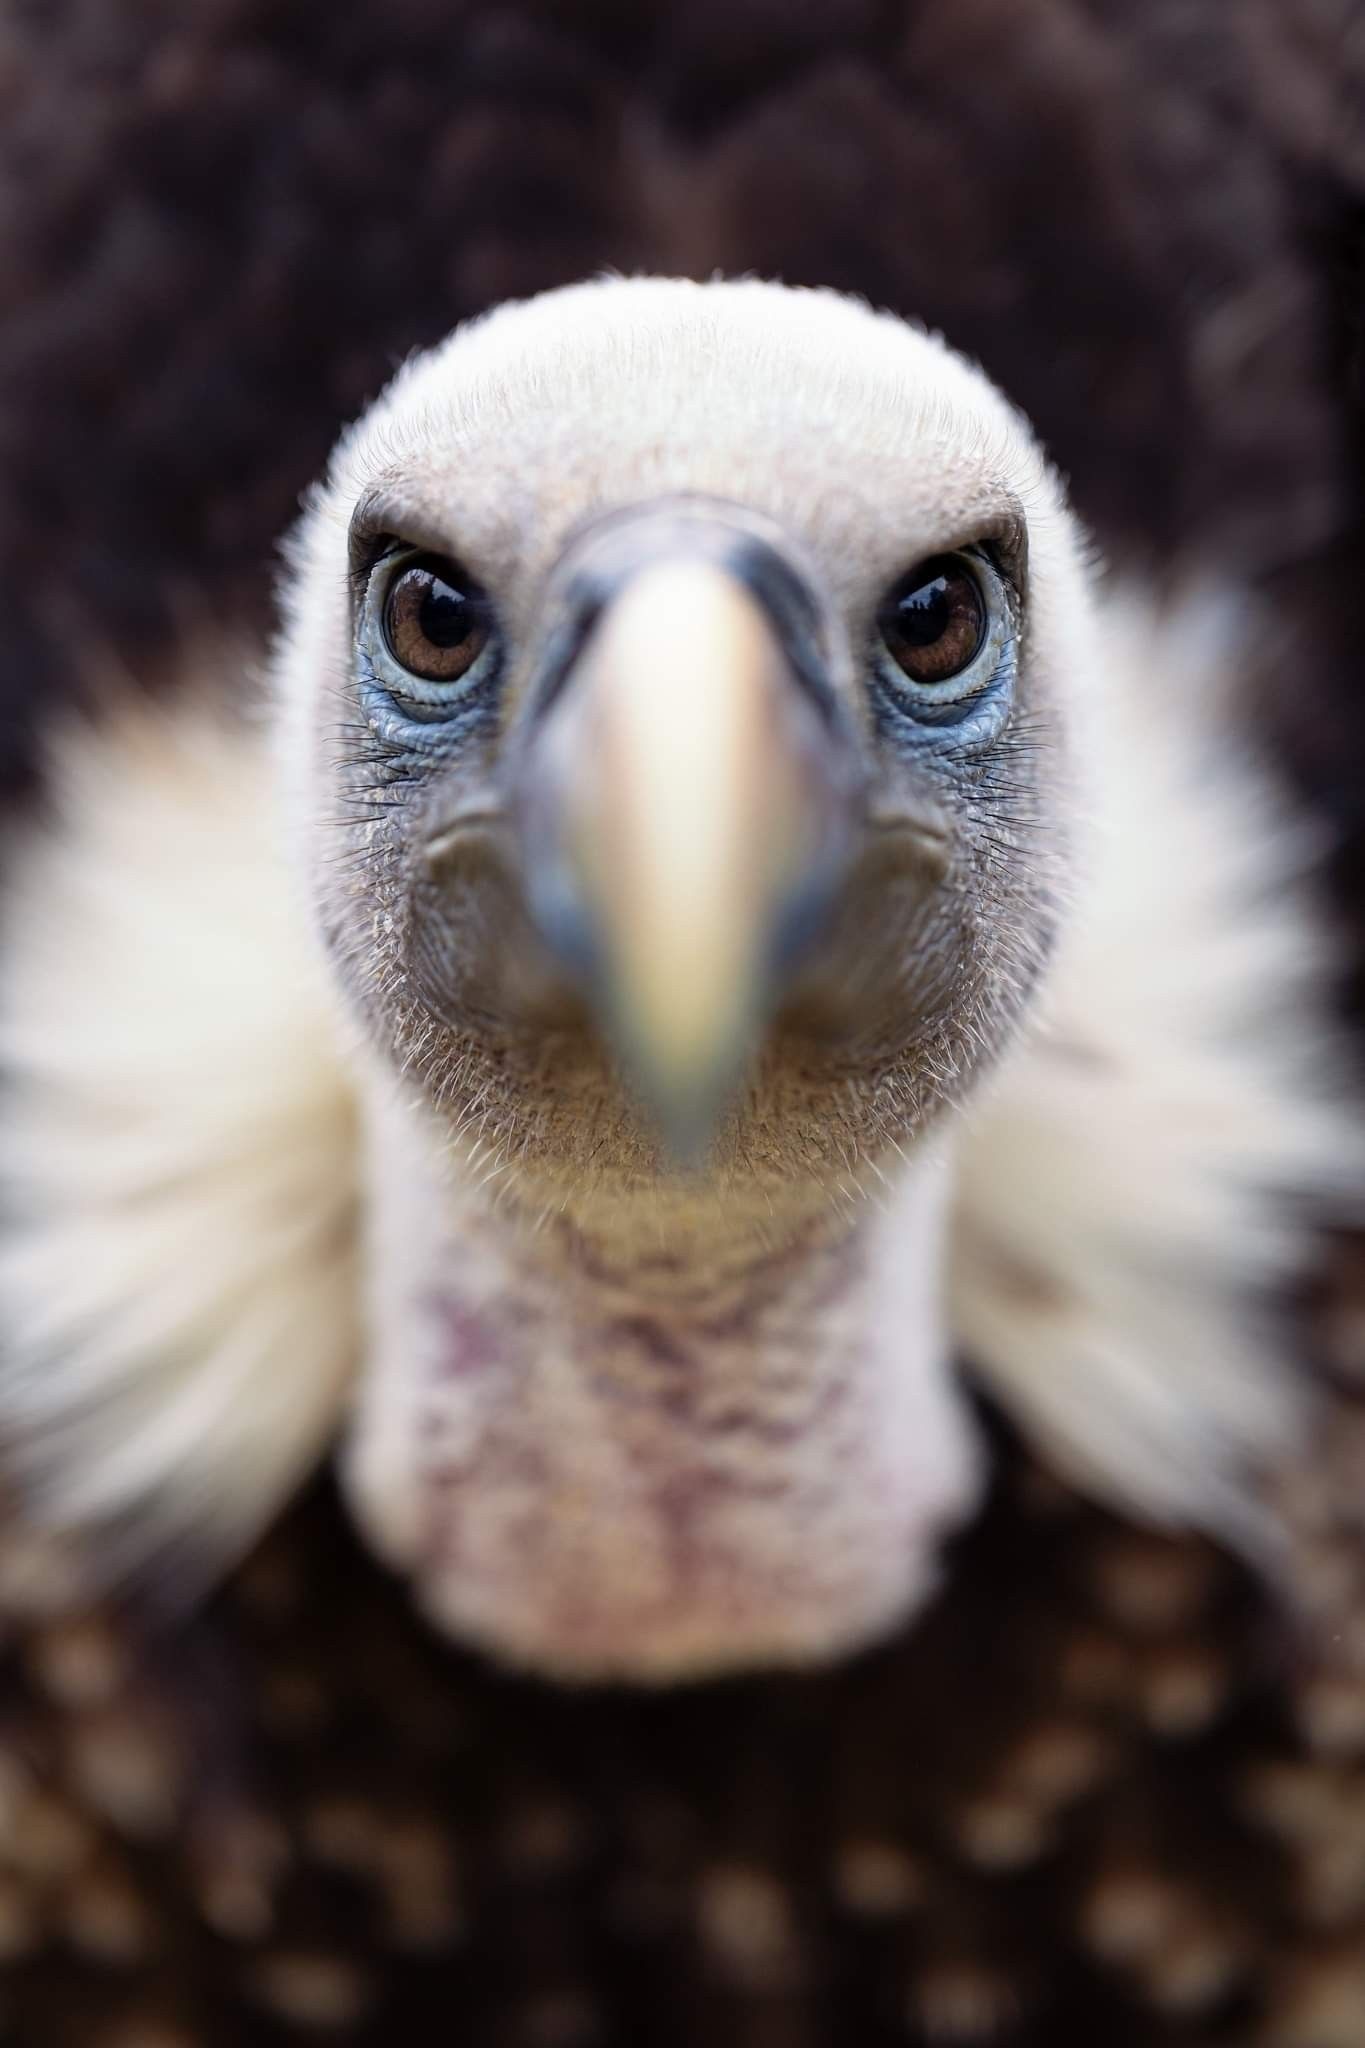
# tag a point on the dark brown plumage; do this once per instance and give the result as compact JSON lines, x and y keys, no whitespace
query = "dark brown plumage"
{"x":1095,"y":1793}
{"x":1108,"y":1789}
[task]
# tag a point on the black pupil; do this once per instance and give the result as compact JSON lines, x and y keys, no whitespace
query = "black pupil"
{"x":923,"y":615}
{"x":446,"y":615}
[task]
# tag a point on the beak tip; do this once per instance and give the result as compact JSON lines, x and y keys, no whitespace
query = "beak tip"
{"x":685,"y":1098}
{"x":686,"y":1130}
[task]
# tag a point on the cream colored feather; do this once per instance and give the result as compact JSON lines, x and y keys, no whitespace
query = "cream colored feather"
{"x":177,"y":1158}
{"x":1146,"y":1172}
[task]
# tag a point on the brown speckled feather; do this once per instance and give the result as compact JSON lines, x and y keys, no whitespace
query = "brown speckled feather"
{"x":1095,"y":1792}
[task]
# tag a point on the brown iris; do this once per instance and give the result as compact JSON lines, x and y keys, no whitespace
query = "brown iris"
{"x":435,"y":622}
{"x":934,"y":621}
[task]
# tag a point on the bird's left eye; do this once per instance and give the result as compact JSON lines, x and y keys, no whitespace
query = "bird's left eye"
{"x":436,"y":622}
{"x":933,"y":622}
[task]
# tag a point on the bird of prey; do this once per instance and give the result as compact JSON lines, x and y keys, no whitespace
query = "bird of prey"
{"x":714,"y":926}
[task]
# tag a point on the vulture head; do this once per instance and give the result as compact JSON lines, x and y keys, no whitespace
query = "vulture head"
{"x":777,"y":926}
{"x":687,"y":795}
{"x":683,"y":679}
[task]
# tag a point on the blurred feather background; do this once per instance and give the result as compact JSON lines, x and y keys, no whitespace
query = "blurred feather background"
{"x":1106,"y":1788}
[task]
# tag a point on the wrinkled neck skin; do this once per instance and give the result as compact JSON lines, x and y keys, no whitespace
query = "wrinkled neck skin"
{"x":604,"y":1453}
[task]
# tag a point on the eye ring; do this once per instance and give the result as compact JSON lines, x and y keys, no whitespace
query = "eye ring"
{"x":934,"y":622}
{"x":435,"y":620}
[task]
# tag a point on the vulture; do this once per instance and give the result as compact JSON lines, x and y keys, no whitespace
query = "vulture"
{"x":770,"y":924}
{"x":681,"y":1162}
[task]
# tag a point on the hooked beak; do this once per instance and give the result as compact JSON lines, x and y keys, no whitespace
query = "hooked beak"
{"x":689,"y":791}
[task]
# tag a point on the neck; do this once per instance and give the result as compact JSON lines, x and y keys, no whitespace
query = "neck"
{"x":660,"y":1440}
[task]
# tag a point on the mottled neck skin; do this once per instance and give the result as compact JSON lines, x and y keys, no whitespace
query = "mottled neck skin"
{"x":609,"y":1454}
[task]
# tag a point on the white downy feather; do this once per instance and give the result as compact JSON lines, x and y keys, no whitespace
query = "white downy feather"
{"x":177,"y":1164}
{"x":1148,"y":1168}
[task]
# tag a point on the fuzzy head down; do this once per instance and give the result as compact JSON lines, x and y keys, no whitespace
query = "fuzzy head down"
{"x":551,"y":458}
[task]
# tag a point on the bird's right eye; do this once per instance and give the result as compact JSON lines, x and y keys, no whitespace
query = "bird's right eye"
{"x":437,"y":622}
